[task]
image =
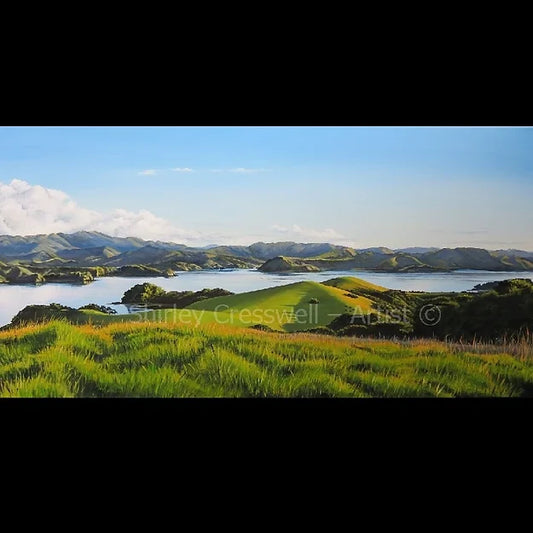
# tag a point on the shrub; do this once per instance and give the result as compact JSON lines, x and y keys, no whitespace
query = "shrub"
{"x":101,"y":308}
{"x":262,"y":327}
{"x":142,"y":293}
{"x":147,"y":293}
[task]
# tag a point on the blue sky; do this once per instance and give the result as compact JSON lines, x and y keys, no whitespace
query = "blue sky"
{"x":394,"y":187}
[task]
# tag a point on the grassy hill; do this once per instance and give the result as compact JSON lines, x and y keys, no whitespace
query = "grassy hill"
{"x":357,"y":260}
{"x":287,"y":308}
{"x":89,"y":254}
{"x":475,"y":258}
{"x":349,"y":283}
{"x":169,"y":360}
{"x":265,"y":251}
{"x":287,"y":264}
{"x":18,"y":274}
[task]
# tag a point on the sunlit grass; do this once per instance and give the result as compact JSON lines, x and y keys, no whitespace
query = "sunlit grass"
{"x":58,"y":359}
{"x":285,"y":308}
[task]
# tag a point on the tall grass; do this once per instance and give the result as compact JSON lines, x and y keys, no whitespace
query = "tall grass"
{"x":520,"y":347}
{"x":59,"y":359}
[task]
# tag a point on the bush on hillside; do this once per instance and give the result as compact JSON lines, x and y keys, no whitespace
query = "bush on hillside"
{"x":142,"y":293}
{"x":147,"y":293}
{"x":38,"y":313}
{"x":262,"y":327}
{"x":100,"y":308}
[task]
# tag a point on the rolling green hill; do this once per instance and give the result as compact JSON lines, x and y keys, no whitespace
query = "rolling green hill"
{"x":349,"y":283}
{"x":475,"y":258}
{"x":287,"y":264}
{"x":289,"y":307}
{"x":358,"y":260}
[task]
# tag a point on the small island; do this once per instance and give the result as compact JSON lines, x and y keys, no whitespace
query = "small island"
{"x":287,"y":264}
{"x":37,"y":274}
{"x":155,"y":297}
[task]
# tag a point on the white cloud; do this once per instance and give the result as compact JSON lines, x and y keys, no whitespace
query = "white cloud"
{"x":147,"y":172}
{"x":242,"y":170}
{"x":27,"y":209}
{"x":184,"y":169}
{"x":280,"y":229}
{"x":31,"y":209}
{"x":307,"y":234}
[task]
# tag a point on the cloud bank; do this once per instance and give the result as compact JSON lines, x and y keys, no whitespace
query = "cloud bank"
{"x":27,"y":209}
{"x":31,"y":209}
{"x":296,"y":232}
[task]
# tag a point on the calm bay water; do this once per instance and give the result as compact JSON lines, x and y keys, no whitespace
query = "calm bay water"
{"x":103,"y":291}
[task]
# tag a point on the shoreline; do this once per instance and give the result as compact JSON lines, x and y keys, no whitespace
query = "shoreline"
{"x":273,"y":273}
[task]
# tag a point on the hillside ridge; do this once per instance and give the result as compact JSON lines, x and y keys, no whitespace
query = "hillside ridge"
{"x":90,"y":249}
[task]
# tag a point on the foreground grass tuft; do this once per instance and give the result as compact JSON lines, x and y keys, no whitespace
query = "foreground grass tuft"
{"x":58,"y":359}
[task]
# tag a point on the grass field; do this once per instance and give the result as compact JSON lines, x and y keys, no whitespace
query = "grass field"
{"x":59,"y":359}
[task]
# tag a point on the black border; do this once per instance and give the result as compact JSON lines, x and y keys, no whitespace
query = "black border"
{"x":366,"y":100}
{"x":389,"y":422}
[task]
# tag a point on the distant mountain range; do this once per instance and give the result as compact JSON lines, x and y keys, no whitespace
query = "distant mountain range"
{"x":89,"y":249}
